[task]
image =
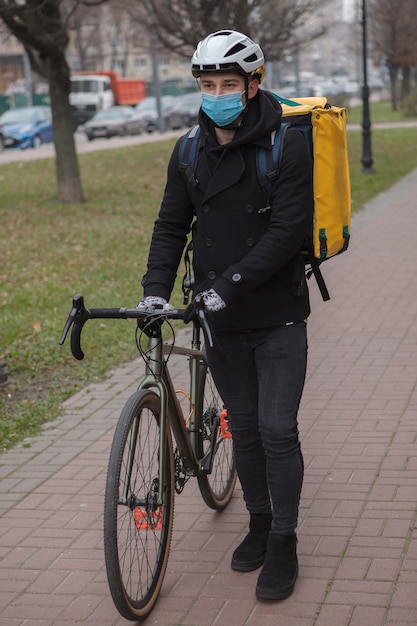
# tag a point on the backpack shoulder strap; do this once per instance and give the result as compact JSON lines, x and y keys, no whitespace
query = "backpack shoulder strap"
{"x":267,"y":161}
{"x":188,"y":152}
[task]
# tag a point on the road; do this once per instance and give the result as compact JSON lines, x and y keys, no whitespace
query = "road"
{"x":82,"y":145}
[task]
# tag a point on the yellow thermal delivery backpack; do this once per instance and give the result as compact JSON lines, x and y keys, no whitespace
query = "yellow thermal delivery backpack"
{"x":324,"y":129}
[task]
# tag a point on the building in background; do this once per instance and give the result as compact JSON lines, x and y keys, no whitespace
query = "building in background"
{"x":324,"y":58}
{"x":11,"y":61}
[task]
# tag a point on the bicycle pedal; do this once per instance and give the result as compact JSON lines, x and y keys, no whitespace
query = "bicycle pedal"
{"x":224,"y":425}
{"x":148,"y":521}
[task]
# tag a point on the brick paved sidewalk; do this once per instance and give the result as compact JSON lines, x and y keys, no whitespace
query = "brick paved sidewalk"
{"x":357,"y":537}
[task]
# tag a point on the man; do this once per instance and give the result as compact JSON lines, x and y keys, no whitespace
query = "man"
{"x":249,"y":271}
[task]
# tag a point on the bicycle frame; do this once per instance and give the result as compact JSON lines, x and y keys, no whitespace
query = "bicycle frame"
{"x":171,"y":414}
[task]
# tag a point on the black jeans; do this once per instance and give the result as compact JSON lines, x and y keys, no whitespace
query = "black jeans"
{"x":261,"y":379}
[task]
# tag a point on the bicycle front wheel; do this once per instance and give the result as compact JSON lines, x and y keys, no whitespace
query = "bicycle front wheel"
{"x":137,"y":528}
{"x":217,"y":487}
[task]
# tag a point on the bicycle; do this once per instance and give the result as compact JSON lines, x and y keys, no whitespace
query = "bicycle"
{"x":144,"y":467}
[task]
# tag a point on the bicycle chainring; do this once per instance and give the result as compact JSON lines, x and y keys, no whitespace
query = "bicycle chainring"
{"x":181,"y":478}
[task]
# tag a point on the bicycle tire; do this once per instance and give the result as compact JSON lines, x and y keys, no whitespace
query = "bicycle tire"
{"x":217,"y":487}
{"x":137,"y":534}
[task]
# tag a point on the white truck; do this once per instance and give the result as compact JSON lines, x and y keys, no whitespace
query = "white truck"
{"x":94,"y":91}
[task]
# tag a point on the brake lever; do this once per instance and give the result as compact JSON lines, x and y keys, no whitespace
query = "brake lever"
{"x":76,"y":318}
{"x":202,"y":318}
{"x":70,"y":320}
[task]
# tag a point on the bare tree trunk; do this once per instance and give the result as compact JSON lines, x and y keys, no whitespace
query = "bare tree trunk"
{"x":68,"y":175}
{"x":393,"y":83}
{"x":80,"y":49}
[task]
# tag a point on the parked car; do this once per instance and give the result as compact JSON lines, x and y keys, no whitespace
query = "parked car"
{"x":113,"y":122}
{"x":332,"y":88}
{"x":188,"y":106}
{"x":289,"y":92}
{"x":147,"y":111}
{"x":26,"y":127}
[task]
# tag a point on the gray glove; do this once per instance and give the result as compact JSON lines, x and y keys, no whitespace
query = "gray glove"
{"x":150,"y":302}
{"x":151,"y":329}
{"x":212,"y":301}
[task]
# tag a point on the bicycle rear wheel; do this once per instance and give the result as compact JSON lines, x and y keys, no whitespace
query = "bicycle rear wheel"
{"x":216,"y":488}
{"x":137,"y":532}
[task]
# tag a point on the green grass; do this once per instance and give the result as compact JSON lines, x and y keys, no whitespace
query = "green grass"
{"x":394,"y":153}
{"x":50,"y":252}
{"x":379,"y":112}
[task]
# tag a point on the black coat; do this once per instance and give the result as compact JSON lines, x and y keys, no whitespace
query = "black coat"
{"x":245,"y":246}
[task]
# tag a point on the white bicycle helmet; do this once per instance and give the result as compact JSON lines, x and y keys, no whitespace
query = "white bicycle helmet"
{"x":228,"y":50}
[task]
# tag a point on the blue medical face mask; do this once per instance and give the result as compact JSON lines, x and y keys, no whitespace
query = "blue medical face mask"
{"x":223,"y":109}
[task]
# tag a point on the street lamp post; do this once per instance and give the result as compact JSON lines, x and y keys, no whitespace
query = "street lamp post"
{"x":155,"y":69}
{"x":367,"y":159}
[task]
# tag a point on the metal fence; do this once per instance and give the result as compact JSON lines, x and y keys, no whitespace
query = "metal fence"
{"x":18,"y":100}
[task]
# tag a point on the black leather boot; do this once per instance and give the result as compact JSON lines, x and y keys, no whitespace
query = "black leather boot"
{"x":277,"y":578}
{"x":250,"y":554}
